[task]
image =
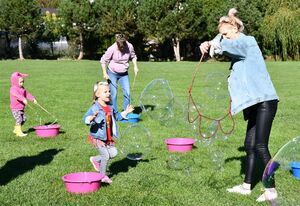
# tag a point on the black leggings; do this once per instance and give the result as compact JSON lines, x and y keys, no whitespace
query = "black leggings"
{"x":260,"y":118}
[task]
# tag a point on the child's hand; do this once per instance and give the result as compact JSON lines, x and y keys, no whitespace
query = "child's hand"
{"x":99,"y":143}
{"x":25,"y":101}
{"x":129,"y":109}
{"x":34,"y":101}
{"x":92,"y":117}
{"x":95,"y":115}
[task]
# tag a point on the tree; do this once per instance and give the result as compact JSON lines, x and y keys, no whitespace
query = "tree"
{"x":170,"y":19}
{"x":19,"y":17}
{"x":49,"y":3}
{"x":117,"y":16}
{"x":51,"y":28}
{"x":212,"y":12}
{"x":79,"y":18}
{"x":280,"y":29}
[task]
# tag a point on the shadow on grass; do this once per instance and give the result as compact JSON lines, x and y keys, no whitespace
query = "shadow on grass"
{"x":30,"y":130}
{"x":139,"y":110}
{"x":123,"y":165}
{"x":258,"y":167}
{"x":20,"y":165}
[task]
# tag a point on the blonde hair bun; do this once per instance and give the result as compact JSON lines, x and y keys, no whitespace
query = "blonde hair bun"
{"x":232,"y":12}
{"x":232,"y":19}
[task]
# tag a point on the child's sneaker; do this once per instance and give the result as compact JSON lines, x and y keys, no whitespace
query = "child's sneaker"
{"x":95,"y":164}
{"x":106,"y":179}
{"x":270,"y":194}
{"x":239,"y":189}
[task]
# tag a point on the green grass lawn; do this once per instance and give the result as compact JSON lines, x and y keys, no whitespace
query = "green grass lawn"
{"x":31,"y":168}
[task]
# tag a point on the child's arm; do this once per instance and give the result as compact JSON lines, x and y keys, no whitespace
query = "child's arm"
{"x":89,"y":116}
{"x":123,"y":115}
{"x":29,"y":96}
{"x":105,"y":59}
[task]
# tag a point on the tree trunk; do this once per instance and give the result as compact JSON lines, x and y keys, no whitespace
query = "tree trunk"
{"x":21,"y":57}
{"x":81,"y":47}
{"x":176,"y":48}
{"x":52,"y":48}
{"x":7,"y":46}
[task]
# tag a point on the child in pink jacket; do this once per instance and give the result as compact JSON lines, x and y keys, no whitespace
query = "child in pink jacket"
{"x":18,"y":101}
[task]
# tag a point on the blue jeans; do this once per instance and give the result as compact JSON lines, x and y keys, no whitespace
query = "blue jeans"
{"x":123,"y":79}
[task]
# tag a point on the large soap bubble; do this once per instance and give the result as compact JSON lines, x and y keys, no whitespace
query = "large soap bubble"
{"x":156,"y":99}
{"x":286,"y":165}
{"x":216,"y":85}
{"x":135,"y":142}
{"x":212,"y":95}
{"x":209,"y":107}
{"x":180,"y":162}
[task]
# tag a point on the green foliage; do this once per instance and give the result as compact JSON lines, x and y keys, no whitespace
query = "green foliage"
{"x":251,"y":13}
{"x":52,"y":27}
{"x":49,"y":3}
{"x":164,"y":19}
{"x":281,"y":30}
{"x":212,"y":11}
{"x":21,"y":17}
{"x":117,"y":16}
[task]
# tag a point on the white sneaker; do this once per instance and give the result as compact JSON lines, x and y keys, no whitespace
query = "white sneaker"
{"x":270,"y":194}
{"x":239,"y":189}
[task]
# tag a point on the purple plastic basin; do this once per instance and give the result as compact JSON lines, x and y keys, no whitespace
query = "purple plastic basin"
{"x":180,"y":144}
{"x":47,"y":130}
{"x":82,"y":182}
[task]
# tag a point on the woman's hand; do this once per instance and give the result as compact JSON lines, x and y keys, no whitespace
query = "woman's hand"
{"x":204,"y":47}
{"x":129,"y":109}
{"x":105,"y":76}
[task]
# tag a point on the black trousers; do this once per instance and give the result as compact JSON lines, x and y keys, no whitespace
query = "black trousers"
{"x":260,"y":118}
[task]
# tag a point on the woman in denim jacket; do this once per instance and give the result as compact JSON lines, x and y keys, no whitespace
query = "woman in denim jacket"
{"x":251,"y":91}
{"x":101,"y":118}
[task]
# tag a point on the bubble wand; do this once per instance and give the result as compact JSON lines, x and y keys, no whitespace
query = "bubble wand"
{"x":200,"y":116}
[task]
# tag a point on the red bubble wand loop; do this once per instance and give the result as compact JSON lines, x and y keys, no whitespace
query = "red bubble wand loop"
{"x":45,"y":110}
{"x":200,"y":115}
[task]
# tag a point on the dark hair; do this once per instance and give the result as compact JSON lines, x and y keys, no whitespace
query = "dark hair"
{"x":121,"y":41}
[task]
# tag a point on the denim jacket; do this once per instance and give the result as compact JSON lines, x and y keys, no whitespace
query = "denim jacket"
{"x":98,"y":125}
{"x":249,"y":82}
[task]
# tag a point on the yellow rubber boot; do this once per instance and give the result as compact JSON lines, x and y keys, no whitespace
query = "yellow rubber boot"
{"x":19,"y":132}
{"x":15,"y":129}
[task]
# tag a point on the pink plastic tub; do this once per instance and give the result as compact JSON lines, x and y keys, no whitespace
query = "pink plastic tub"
{"x":47,"y":130}
{"x":83,"y":182}
{"x":180,"y":144}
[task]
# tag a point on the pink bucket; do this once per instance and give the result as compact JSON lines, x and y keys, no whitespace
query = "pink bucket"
{"x":83,"y":182}
{"x":47,"y":130}
{"x":180,"y":144}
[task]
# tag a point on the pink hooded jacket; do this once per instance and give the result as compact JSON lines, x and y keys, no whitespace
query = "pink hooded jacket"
{"x":17,"y":93}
